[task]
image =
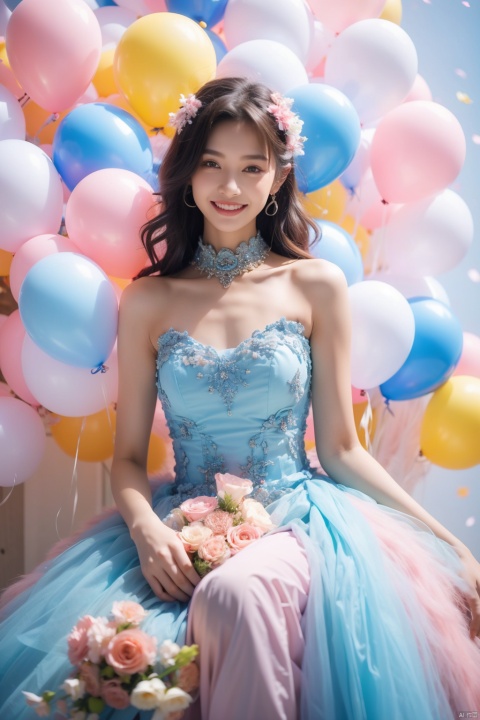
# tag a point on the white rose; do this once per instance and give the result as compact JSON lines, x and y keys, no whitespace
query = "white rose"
{"x":41,"y":707}
{"x":147,"y":694}
{"x":175,"y":520}
{"x":194,"y":535}
{"x":173,"y":701}
{"x":99,"y":635}
{"x":167,"y":652}
{"x":74,"y":687}
{"x":254,"y":513}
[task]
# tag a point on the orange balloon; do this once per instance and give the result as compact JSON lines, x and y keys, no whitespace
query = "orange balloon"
{"x":358,"y":410}
{"x":157,"y":454}
{"x":361,"y":236}
{"x":35,"y":117}
{"x":96,"y":438}
{"x":328,"y":203}
{"x":5,"y":262}
{"x":103,"y":79}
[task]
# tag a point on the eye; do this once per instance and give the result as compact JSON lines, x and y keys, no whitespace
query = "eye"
{"x":253,"y":169}
{"x":209,"y":163}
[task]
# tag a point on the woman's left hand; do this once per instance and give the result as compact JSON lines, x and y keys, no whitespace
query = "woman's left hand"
{"x":471,"y":573}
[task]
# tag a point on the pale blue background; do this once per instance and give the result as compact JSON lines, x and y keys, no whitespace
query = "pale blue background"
{"x":446,"y":36}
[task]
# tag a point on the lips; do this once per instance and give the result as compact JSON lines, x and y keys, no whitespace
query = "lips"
{"x":228,"y":208}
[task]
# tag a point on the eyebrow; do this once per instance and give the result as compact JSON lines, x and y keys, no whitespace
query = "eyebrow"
{"x":244,"y":157}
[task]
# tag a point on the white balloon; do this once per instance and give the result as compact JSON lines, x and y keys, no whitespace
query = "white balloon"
{"x":383,"y":329}
{"x":338,"y":14}
{"x":428,"y":237}
{"x":320,"y":43}
{"x":113,"y":22}
{"x":361,"y":160}
{"x":12,"y":119}
{"x":139,"y":7}
{"x":410,"y":287}
{"x":374,"y":63}
{"x":4,"y":17}
{"x":264,"y":61}
{"x":289,"y":22}
{"x":31,"y":195}
{"x":65,"y":389}
{"x":22,"y":441}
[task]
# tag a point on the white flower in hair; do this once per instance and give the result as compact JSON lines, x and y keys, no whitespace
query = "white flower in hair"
{"x":190,"y":105}
{"x":289,"y":122}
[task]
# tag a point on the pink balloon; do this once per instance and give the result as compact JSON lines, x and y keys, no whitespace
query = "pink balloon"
{"x":104,"y":215}
{"x":22,"y":441}
{"x":339,"y":14}
{"x":65,"y":389}
{"x":419,"y":90}
{"x":54,"y":48}
{"x":5,"y":390}
{"x":418,"y":149}
{"x":31,"y":252}
{"x":358,"y":396}
{"x":470,"y":359}
{"x":12,"y":335}
{"x":310,"y":430}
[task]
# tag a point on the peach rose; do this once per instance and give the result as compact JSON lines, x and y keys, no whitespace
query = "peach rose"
{"x":131,"y":651}
{"x":254,"y":513}
{"x":188,"y":677}
{"x":114,"y":695}
{"x":78,"y":640}
{"x":214,"y":550}
{"x":126,"y":611}
{"x":242,"y":535}
{"x":219,"y":521}
{"x":233,"y":485}
{"x":175,"y":520}
{"x":197,"y":508}
{"x":90,"y":674}
{"x":194,"y":535}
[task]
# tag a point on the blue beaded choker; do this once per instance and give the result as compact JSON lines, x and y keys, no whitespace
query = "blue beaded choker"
{"x":227,"y":264}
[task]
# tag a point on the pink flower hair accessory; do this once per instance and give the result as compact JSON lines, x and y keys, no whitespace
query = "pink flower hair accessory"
{"x":289,"y":122}
{"x":189,"y":106}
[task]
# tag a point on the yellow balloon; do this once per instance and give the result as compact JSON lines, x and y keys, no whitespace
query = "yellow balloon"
{"x":159,"y":57}
{"x":358,"y":410}
{"x":361,"y":236}
{"x":392,"y":10}
{"x":328,"y":203}
{"x":103,"y":79}
{"x":450,"y":431}
{"x":157,"y":454}
{"x":96,"y":439}
{"x":5,"y":262}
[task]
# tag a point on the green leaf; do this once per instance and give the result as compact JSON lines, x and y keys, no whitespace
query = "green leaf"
{"x":186,"y":655}
{"x":48,"y":696}
{"x":201,"y":566}
{"x":95,"y":704}
{"x":227,"y":503}
{"x":107,"y":672}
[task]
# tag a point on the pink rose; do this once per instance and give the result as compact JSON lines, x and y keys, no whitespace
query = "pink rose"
{"x":193,"y":535}
{"x":114,"y":695}
{"x":197,"y":508}
{"x":242,"y":535}
{"x":131,"y":651}
{"x":126,"y":611}
{"x":188,"y":677}
{"x":90,"y":674}
{"x":219,"y":521}
{"x":214,"y":550}
{"x":99,"y":635}
{"x":233,"y":485}
{"x":78,"y":640}
{"x":254,"y":513}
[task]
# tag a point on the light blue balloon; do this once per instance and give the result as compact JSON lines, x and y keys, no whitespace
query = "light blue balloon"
{"x":12,"y":4}
{"x":97,"y":135}
{"x":338,"y":246}
{"x":332,"y":126}
{"x":69,"y":308}
{"x":208,"y":11}
{"x":218,"y":45}
{"x":436,"y":350}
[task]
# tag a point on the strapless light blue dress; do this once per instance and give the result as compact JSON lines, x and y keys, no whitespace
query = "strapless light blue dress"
{"x":381,"y":642}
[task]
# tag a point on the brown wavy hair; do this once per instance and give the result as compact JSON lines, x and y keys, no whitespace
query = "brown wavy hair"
{"x":287,"y":232}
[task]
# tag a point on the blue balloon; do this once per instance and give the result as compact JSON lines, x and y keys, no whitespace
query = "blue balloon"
{"x":218,"y":45}
{"x":69,"y":308}
{"x":332,"y":126}
{"x":12,"y":4}
{"x":338,"y":246}
{"x":437,"y":347}
{"x":97,"y":135}
{"x":208,"y":11}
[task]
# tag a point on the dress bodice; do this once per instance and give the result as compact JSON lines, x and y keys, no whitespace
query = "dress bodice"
{"x":241,"y":410}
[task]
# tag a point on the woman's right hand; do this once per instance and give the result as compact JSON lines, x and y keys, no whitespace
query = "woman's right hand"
{"x":164,"y":561}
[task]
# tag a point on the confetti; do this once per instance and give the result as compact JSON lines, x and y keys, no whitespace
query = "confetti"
{"x":464,"y":2}
{"x":464,"y":98}
{"x":463,"y":491}
{"x":473,"y":275}
{"x":470,"y":522}
{"x":476,"y":139}
{"x":461,"y":73}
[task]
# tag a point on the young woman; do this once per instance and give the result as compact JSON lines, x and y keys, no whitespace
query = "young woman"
{"x":359,"y":605}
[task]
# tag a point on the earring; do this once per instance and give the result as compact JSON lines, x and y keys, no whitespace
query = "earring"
{"x":185,"y":199}
{"x":272,"y":206}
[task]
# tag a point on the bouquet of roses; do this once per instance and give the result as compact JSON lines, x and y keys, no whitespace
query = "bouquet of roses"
{"x":213,"y":529}
{"x":118,"y":665}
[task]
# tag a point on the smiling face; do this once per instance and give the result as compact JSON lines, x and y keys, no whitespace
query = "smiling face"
{"x":232,"y":183}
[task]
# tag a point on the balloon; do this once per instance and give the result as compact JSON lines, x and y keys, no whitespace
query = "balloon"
{"x":365,"y":204}
{"x":5,"y":390}
{"x":4,"y":17}
{"x":218,"y":45}
{"x":332,"y":127}
{"x":94,"y":435}
{"x":67,"y":390}
{"x":22,"y":441}
{"x":358,"y":396}
{"x":374,"y":63}
{"x":288,"y":22}
{"x":12,"y":119}
{"x":104,"y":215}
{"x":96,"y":136}
{"x":428,"y":237}
{"x":139,"y":7}
{"x":418,"y":149}
{"x":337,"y":246}
{"x":69,"y":309}
{"x":436,"y":350}
{"x":339,"y":14}
{"x":412,"y":286}
{"x":208,"y":11}
{"x":264,"y":61}
{"x":5,"y":263}
{"x":392,"y":10}
{"x":356,"y":170}
{"x":383,"y":329}
{"x":328,"y":203}
{"x":31,"y":252}
{"x":12,"y":335}
{"x":103,"y":79}
{"x":159,"y":57}
{"x":358,"y":413}
{"x":157,"y":454}
{"x":320,"y":43}
{"x":31,"y":196}
{"x":451,"y":424}
{"x":113,"y":22}
{"x":54,"y":47}
{"x":360,"y":236}
{"x":469,"y":363}
{"x":419,"y":90}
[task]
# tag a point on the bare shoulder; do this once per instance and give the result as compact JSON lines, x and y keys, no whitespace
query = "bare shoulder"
{"x":320,"y":280}
{"x":140,"y":301}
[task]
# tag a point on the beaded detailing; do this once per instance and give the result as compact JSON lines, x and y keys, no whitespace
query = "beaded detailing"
{"x":226,"y":264}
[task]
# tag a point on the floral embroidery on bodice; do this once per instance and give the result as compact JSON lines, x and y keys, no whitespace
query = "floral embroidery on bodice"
{"x":241,"y":410}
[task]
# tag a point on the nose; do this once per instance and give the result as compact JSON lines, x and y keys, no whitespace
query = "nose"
{"x":229,"y":186}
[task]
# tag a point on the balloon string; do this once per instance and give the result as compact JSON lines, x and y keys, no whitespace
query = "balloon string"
{"x":100,"y":368}
{"x":11,"y":490}
{"x":51,"y":119}
{"x":23,"y":100}
{"x":380,"y":241}
{"x":73,"y":483}
{"x":366,"y":423}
